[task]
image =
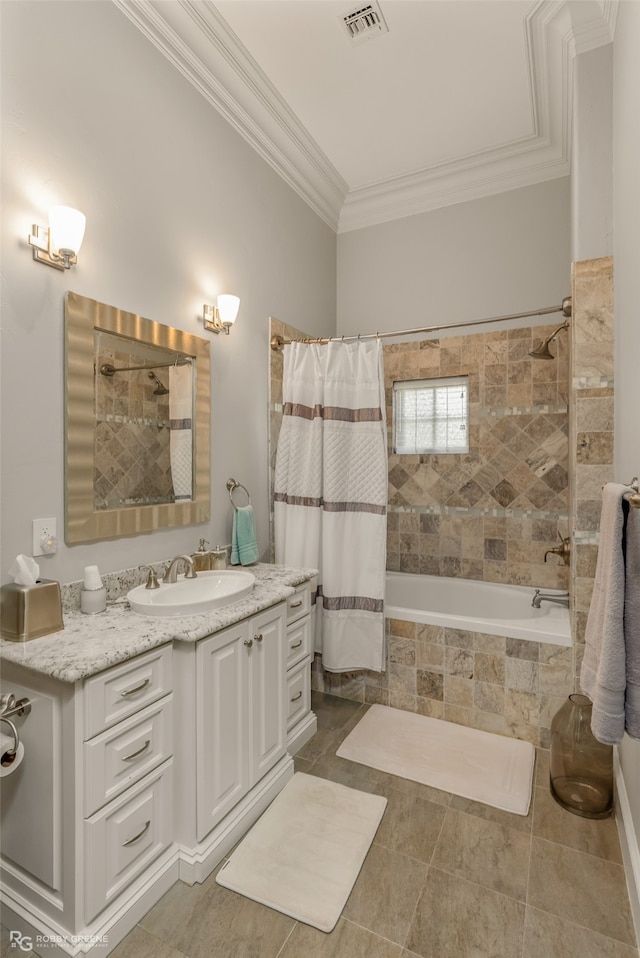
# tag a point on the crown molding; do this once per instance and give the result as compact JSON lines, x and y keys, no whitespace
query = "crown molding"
{"x":197,"y":40}
{"x":198,"y":43}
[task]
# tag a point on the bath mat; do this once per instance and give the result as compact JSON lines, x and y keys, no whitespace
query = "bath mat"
{"x":302,"y":857}
{"x":478,"y":765}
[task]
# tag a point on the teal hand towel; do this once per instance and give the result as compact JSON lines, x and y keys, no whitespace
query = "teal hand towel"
{"x":244,"y":547}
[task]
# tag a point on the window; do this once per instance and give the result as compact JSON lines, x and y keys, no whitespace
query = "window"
{"x":431,"y":416}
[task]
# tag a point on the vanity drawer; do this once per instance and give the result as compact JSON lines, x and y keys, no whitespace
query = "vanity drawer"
{"x":298,"y":693}
{"x":298,"y":642}
{"x":299,"y":603}
{"x":125,"y":753}
{"x":124,"y":689}
{"x":125,"y":837}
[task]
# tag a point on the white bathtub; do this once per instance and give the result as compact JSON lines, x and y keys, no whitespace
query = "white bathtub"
{"x":476,"y":606}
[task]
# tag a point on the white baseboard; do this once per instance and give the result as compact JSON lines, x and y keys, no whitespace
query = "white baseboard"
{"x":196,"y":864}
{"x":46,"y":937}
{"x":301,"y":733}
{"x":628,"y":842}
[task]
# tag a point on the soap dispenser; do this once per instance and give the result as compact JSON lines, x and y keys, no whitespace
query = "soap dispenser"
{"x":202,"y":558}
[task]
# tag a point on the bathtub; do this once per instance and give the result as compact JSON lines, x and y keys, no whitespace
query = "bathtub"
{"x":475,"y":606}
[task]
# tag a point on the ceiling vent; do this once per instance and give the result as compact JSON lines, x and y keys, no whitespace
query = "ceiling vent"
{"x":365,"y":22}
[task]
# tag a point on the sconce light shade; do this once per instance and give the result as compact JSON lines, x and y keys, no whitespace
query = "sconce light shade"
{"x":221,"y":318}
{"x":228,"y":306}
{"x":58,"y":246}
{"x":66,"y":230}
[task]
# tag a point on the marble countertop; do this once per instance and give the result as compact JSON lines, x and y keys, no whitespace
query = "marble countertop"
{"x":91,"y":643}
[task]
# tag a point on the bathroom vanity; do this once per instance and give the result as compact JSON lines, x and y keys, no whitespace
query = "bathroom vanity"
{"x":151,"y":747}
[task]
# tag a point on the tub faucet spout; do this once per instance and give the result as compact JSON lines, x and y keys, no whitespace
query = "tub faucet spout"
{"x":538,"y":597}
{"x":172,"y":569}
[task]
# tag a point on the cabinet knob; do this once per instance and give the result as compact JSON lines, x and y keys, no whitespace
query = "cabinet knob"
{"x":248,"y":643}
{"x":258,"y":637}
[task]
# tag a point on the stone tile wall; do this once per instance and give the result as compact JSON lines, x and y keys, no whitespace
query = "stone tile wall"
{"x":591,"y":427}
{"x":492,"y":513}
{"x":132,"y":458}
{"x":508,"y":686}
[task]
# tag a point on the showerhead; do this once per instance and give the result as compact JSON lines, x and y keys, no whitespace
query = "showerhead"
{"x":160,"y":390}
{"x":542,"y":351}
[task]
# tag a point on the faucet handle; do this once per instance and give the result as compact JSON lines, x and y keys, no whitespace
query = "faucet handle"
{"x":152,"y":579}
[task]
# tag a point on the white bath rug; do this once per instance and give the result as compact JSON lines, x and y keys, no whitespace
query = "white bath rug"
{"x":302,"y":857}
{"x":478,"y":765}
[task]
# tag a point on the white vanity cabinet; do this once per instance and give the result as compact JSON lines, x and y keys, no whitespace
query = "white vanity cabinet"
{"x":128,"y":782}
{"x":148,"y":771}
{"x":87,"y":819}
{"x":240,"y":724}
{"x":301,"y":721}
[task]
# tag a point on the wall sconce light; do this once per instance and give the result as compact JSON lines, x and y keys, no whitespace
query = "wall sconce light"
{"x":221,"y":318}
{"x":58,"y":246}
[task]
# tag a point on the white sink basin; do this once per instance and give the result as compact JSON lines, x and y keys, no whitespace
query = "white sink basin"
{"x":210,"y":590}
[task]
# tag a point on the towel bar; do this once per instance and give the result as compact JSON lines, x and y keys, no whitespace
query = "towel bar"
{"x":634,"y":498}
{"x":232,"y":485}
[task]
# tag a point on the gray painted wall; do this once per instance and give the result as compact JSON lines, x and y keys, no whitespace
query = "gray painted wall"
{"x":490,"y":257}
{"x":179,"y":208}
{"x":592,"y":155}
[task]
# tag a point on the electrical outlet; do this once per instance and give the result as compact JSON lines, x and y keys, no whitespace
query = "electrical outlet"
{"x":44,"y":531}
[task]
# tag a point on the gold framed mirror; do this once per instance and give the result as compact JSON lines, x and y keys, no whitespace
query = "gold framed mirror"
{"x":137,"y":424}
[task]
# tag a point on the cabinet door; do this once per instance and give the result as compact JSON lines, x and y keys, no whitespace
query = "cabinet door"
{"x":267,"y":690}
{"x":222,"y":772}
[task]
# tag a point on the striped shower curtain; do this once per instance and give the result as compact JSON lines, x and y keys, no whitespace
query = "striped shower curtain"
{"x":330,"y":493}
{"x":181,"y":433}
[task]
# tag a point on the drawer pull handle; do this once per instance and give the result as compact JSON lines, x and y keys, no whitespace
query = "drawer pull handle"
{"x":248,"y":643}
{"x":130,"y":758}
{"x":296,"y":605}
{"x":135,"y":838}
{"x":297,"y":645}
{"x":258,"y":637}
{"x":298,"y":696}
{"x":137,"y":688}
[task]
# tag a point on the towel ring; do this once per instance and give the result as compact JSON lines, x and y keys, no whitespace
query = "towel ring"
{"x":7,"y":758}
{"x":232,"y":485}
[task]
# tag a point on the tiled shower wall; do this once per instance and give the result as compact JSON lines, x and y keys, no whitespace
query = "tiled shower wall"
{"x":591,"y":432}
{"x":132,"y":459}
{"x":492,"y":513}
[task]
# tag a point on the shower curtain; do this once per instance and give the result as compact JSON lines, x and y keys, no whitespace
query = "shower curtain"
{"x":180,"y":434}
{"x":330,"y":493}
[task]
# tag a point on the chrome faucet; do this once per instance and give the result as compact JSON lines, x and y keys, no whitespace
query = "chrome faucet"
{"x":172,"y":569}
{"x":562,"y":599}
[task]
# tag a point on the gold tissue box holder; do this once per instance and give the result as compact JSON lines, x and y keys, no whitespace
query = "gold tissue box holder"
{"x":28,"y":612}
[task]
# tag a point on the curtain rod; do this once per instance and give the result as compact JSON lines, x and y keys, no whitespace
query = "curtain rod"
{"x":277,"y":342}
{"x":108,"y":370}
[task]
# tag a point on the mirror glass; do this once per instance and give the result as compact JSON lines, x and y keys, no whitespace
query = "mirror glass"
{"x":137,"y":419}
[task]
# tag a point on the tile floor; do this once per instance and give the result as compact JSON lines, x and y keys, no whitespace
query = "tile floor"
{"x":444,"y":878}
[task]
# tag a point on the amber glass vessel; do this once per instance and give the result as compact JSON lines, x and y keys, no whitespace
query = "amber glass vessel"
{"x":580,"y":767}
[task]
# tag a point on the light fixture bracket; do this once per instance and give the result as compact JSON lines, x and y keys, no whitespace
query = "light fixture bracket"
{"x":212,"y":321}
{"x":39,"y":240}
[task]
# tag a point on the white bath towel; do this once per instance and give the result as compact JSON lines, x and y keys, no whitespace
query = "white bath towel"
{"x":632,"y":623}
{"x":603,"y":674}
